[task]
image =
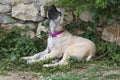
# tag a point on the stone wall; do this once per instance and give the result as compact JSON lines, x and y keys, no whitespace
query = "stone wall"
{"x":22,"y":13}
{"x":30,"y":13}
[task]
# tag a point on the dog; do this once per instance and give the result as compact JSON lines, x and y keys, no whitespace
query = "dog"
{"x":61,"y":43}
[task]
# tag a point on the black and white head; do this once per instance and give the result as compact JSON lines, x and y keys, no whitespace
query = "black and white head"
{"x":55,"y":15}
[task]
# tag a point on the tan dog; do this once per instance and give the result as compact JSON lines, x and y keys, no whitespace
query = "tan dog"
{"x":62,"y":44}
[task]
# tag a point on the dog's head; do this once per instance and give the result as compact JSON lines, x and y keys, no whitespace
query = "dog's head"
{"x":56,"y":16}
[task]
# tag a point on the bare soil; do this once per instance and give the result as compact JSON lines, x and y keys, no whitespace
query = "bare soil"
{"x":21,"y":76}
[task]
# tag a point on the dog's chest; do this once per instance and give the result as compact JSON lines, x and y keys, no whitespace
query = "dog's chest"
{"x":55,"y":41}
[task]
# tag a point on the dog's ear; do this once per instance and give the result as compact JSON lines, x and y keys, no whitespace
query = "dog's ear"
{"x":53,"y":13}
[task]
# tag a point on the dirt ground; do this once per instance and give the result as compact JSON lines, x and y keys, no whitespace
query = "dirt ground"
{"x":21,"y":76}
{"x":38,"y":76}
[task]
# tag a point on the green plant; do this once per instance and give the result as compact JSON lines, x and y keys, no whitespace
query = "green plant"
{"x":13,"y":46}
{"x":106,"y":11}
{"x":10,"y":20}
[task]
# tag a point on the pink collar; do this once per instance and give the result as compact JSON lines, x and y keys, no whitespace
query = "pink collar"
{"x":56,"y":33}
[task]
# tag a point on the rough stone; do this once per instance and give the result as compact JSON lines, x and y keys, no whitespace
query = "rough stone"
{"x":28,"y":33}
{"x":78,"y":32}
{"x":99,"y":29}
{"x":26,"y":12}
{"x":102,"y":21}
{"x":68,"y":17}
{"x":86,"y":16}
{"x":15,"y":2}
{"x":42,"y":11}
{"x":30,"y":26}
{"x":40,"y":29}
{"x":44,"y":2}
{"x":5,"y":8}
{"x":6,"y":19}
{"x":112,"y":33}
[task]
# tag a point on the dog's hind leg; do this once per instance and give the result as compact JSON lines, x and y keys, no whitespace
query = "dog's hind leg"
{"x":70,"y":52}
{"x":63,"y":61}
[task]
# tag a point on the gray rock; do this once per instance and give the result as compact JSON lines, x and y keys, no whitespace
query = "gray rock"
{"x":16,"y":2}
{"x":26,"y":12}
{"x":29,"y":25}
{"x":40,"y":29}
{"x":5,"y":8}
{"x":44,"y":2}
{"x":6,"y":19}
{"x":112,"y":33}
{"x":28,"y":33}
{"x":86,"y":16}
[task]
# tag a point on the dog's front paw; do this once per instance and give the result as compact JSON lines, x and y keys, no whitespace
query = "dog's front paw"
{"x":26,"y":58}
{"x":30,"y":61}
{"x":49,"y":65}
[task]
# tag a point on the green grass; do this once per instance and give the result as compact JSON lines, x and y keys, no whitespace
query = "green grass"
{"x":13,"y":46}
{"x":89,"y":72}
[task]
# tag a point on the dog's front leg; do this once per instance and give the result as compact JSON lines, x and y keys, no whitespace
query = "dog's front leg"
{"x":40,"y":54}
{"x":62,"y":62}
{"x":51,"y":55}
{"x":36,"y":56}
